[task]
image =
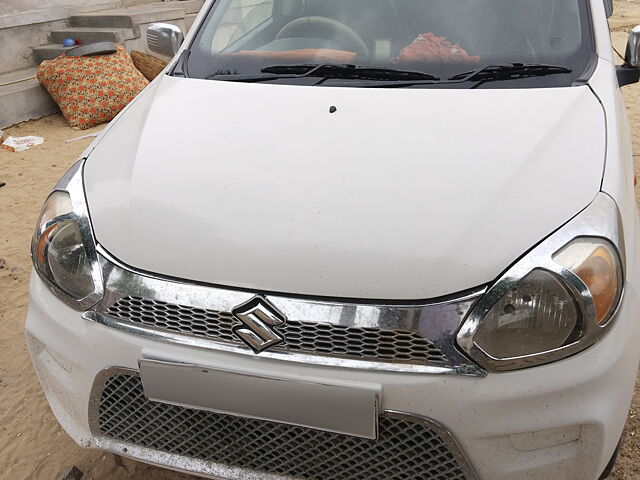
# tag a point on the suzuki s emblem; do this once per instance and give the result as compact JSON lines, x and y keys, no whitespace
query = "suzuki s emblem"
{"x":258,"y":315}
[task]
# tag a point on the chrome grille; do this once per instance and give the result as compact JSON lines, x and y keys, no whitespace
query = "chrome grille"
{"x":401,"y":346}
{"x":406,"y":448}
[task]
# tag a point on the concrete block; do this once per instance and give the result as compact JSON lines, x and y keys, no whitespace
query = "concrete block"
{"x":101,"y":21}
{"x":49,"y":52}
{"x":190,"y":6}
{"x":22,"y":100}
{"x":92,"y":35}
{"x":133,"y":3}
{"x":16,"y":45}
{"x":128,"y":17}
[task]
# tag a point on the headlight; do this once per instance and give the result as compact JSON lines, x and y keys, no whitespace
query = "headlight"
{"x":596,"y":263}
{"x":63,"y":248}
{"x":556,"y":301}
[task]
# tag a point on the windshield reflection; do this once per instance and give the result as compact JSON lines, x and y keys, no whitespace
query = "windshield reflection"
{"x":437,"y":37}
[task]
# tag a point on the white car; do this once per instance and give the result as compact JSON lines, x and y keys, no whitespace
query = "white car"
{"x":354,"y":240}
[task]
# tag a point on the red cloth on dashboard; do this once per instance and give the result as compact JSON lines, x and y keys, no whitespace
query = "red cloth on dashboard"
{"x":430,"y":48}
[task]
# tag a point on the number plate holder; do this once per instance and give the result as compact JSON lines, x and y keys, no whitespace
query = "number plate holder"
{"x":349,"y":408}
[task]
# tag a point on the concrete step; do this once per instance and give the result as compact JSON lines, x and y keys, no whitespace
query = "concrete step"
{"x":22,"y":98}
{"x":49,"y":52}
{"x":131,"y":16}
{"x":101,"y":21}
{"x":93,"y":34}
{"x":190,"y":6}
{"x":133,"y":3}
{"x":188,"y":21}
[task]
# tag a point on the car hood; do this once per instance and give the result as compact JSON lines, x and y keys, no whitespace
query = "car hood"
{"x":399,"y":194}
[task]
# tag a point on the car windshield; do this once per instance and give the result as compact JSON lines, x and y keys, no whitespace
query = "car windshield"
{"x":431,"y":43}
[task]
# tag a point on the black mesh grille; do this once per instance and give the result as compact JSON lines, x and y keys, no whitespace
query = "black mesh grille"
{"x":404,"y":450}
{"x":401,"y":346}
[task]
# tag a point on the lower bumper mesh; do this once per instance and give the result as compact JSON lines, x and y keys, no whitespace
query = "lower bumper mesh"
{"x":405,"y":449}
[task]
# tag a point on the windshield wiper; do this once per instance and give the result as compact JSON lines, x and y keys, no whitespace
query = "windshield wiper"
{"x":348,"y":71}
{"x":492,"y":73}
{"x":328,"y":71}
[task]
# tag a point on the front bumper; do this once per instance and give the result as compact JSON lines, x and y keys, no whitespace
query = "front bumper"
{"x":561,"y":420}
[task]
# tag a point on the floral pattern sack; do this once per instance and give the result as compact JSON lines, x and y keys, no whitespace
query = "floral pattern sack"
{"x":92,"y":90}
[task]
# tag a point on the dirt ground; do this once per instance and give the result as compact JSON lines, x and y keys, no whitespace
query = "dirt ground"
{"x":32,"y":445}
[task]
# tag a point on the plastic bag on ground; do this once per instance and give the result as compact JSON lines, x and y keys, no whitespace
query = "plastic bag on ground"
{"x":18,"y":144}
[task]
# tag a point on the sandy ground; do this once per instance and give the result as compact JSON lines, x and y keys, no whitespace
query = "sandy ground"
{"x":32,"y":445}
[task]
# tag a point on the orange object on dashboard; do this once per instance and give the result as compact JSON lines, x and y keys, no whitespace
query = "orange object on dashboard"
{"x":428,"y":47}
